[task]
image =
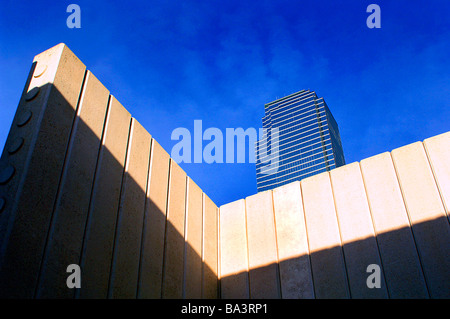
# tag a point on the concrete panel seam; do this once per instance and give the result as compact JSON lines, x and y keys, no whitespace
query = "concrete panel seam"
{"x":246,"y":243}
{"x":83,"y":243}
{"x":186,"y":211}
{"x":165,"y":227}
{"x":441,"y":195}
{"x":340,"y":238}
{"x":219,"y":256}
{"x":374,"y":230}
{"x":410,"y":225}
{"x":169,"y":173}
{"x":127,"y":160}
{"x":202,"y":245}
{"x":144,"y":218}
{"x":276,"y":246}
{"x":307,"y":241}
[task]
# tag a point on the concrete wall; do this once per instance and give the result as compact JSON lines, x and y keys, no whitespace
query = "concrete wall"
{"x":82,"y":182}
{"x":316,"y":238}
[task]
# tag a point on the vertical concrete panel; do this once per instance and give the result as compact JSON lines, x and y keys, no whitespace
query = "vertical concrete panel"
{"x":72,"y":204}
{"x":401,"y":263}
{"x":233,"y":251}
{"x":293,"y":250}
{"x":327,"y":262}
{"x":151,"y":268}
{"x":127,"y":247}
{"x":100,"y":229}
{"x":53,"y":95}
{"x":356,"y":229}
{"x":426,"y":212}
{"x":438,"y":152}
{"x":262,"y":247}
{"x":210,"y":249}
{"x":193,"y":246}
{"x":174,"y":247}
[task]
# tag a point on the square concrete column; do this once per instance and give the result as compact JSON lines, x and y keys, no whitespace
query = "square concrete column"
{"x":32,"y":164}
{"x":233,"y":251}
{"x":293,"y":249}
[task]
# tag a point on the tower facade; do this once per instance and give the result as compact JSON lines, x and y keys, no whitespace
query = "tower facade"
{"x":300,"y":139}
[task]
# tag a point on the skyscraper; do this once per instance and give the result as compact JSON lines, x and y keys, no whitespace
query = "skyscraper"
{"x":300,"y":139}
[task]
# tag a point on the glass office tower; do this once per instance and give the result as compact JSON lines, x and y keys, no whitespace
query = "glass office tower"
{"x":300,"y":139}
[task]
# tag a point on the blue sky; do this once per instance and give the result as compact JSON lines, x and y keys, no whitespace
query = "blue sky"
{"x":172,"y":62}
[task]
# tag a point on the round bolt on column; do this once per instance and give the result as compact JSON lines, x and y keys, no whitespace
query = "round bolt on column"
{"x":6,"y":174}
{"x":31,"y":94}
{"x":16,"y":145}
{"x":24,"y":118}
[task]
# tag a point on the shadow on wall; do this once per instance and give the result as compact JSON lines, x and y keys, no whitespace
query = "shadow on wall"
{"x":319,"y":275}
{"x":89,"y":192}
